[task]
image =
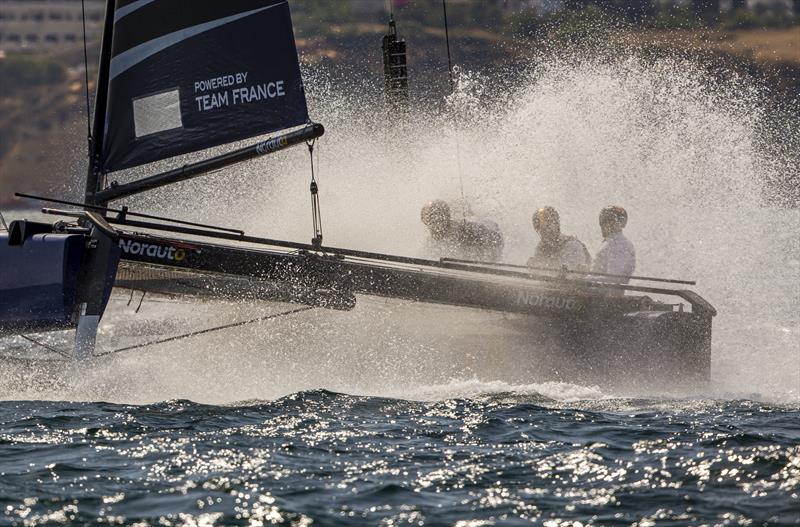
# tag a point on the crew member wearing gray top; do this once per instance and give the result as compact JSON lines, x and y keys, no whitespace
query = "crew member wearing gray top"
{"x":616,"y":256}
{"x":469,"y":238}
{"x":556,"y":251}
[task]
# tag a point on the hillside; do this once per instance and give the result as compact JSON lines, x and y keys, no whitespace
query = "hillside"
{"x":773,"y":54}
{"x":42,"y":124}
{"x":43,"y":127}
{"x":768,"y":48}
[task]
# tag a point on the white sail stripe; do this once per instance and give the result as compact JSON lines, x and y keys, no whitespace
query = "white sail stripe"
{"x":127,"y":59}
{"x":130,"y":8}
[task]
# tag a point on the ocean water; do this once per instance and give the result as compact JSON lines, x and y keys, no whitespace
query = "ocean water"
{"x":348,"y":418}
{"x":325,"y":458}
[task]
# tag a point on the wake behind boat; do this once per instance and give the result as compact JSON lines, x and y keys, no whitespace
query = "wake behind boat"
{"x":199,"y":79}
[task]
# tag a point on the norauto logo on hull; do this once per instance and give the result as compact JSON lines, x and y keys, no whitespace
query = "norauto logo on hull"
{"x":161,"y":252}
{"x":537,"y":299}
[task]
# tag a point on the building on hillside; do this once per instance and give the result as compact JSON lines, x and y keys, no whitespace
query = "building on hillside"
{"x":39,"y":25}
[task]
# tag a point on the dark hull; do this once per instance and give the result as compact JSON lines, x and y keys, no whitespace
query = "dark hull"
{"x":513,"y":329}
{"x":38,"y":282}
{"x":643,"y":351}
{"x":380,"y":345}
{"x":535,"y":327}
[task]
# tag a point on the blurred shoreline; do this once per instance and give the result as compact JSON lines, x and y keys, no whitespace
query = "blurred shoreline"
{"x":42,"y":109}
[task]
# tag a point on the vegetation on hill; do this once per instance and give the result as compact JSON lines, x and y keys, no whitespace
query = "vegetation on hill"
{"x":317,"y":17}
{"x":41,"y":99}
{"x":38,"y":102}
{"x":767,"y":37}
{"x":22,"y":75}
{"x":21,"y":72}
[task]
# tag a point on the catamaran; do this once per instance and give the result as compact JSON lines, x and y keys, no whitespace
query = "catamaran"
{"x":175,"y":79}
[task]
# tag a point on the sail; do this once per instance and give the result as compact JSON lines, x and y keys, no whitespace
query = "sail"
{"x":184,"y":76}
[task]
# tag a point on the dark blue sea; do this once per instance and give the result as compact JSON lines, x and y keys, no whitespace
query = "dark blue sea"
{"x":324,"y":458}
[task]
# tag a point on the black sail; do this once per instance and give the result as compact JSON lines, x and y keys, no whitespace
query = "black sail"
{"x":185,"y":76}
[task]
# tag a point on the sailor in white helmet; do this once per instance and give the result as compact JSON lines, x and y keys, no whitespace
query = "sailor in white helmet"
{"x":556,"y":251}
{"x":617,"y":255}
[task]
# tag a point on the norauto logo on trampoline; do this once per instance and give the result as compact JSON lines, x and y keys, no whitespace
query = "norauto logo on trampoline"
{"x":161,"y":252}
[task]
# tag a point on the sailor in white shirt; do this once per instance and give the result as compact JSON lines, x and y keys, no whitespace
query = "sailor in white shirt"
{"x":556,"y":251}
{"x":617,"y":255}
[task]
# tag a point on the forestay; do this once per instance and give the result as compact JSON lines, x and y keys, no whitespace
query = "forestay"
{"x":186,"y":76}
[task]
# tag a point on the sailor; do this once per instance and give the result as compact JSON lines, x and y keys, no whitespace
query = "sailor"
{"x":617,"y":255}
{"x":555,"y":250}
{"x":471,"y":239}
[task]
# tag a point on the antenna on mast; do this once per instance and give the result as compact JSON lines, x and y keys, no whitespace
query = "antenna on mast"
{"x":395,"y":72}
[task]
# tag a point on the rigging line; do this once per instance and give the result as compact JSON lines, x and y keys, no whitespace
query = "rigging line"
{"x":581,"y":273}
{"x":209,"y":330}
{"x":460,"y":177}
{"x":452,"y":91}
{"x":86,"y":80}
{"x":45,"y":346}
{"x":316,"y":213}
{"x":140,"y":301}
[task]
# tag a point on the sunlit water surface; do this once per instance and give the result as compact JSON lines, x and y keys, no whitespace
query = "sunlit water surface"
{"x":333,"y":459}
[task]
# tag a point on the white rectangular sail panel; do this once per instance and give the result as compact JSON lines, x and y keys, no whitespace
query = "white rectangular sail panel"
{"x":157,"y":113}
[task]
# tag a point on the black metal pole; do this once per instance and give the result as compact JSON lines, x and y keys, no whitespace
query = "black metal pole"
{"x":123,"y":213}
{"x":93,"y":174}
{"x":200,"y":168}
{"x":581,"y":273}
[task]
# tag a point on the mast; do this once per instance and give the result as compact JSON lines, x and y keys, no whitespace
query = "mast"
{"x":94,"y":176}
